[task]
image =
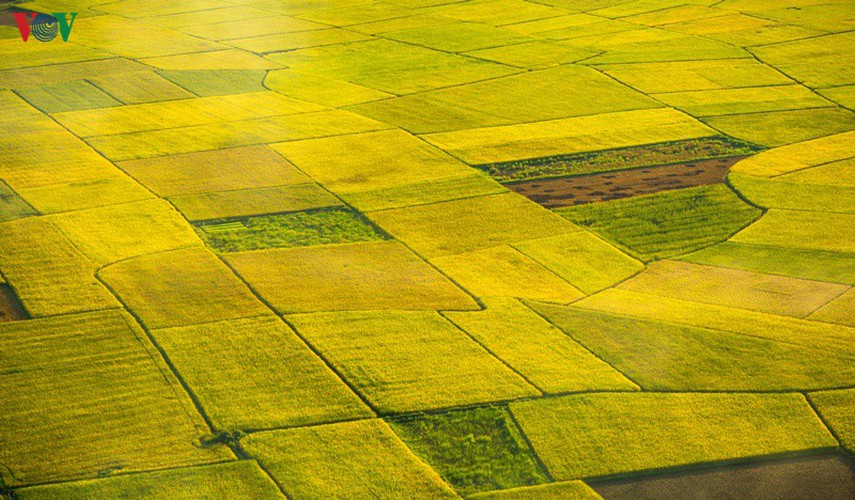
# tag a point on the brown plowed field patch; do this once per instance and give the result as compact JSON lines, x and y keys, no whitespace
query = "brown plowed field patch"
{"x":576,"y":190}
{"x":11,"y":308}
{"x":829,"y":476}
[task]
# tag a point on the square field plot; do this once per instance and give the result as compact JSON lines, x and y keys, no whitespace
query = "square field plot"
{"x":78,"y":413}
{"x":604,"y":434}
{"x":243,"y":480}
{"x":179,"y":288}
{"x":256,"y":373}
{"x":460,"y":226}
{"x":210,"y":171}
{"x":409,"y":361}
{"x":378,"y":275}
{"x":659,"y":355}
{"x":362,"y":459}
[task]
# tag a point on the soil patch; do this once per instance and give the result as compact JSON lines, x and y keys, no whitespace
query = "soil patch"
{"x":828,"y":476}
{"x":568,"y":191}
{"x":11,"y":308}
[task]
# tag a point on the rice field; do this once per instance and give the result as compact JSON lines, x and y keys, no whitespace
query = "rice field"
{"x":427,"y":249}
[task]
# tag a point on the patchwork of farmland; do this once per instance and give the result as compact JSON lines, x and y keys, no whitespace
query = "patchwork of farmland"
{"x":428,"y":249}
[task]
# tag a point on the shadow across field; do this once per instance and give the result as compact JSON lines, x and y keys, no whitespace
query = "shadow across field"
{"x":11,"y":308}
{"x":828,"y":476}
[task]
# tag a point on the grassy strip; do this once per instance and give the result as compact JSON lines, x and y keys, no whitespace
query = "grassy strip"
{"x":618,"y":159}
{"x":312,"y":227}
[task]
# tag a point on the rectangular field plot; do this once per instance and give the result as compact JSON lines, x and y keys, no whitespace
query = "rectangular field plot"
{"x":460,"y":226}
{"x":522,"y":98}
{"x":663,"y":356}
{"x":456,"y":187}
{"x":179,"y":288}
{"x":256,"y":373}
{"x":116,"y":232}
{"x":250,"y":202}
{"x":409,"y":361}
{"x":352,"y":459}
{"x":733,"y":288}
{"x":604,"y":434}
{"x":797,"y":229}
{"x":689,"y":76}
{"x":478,"y":449}
{"x":78,"y":413}
{"x":49,"y":275}
{"x":835,"y":338}
{"x":376,"y":160}
{"x":320,"y":90}
{"x":784,"y":127}
{"x":243,"y":480}
{"x":667,"y":223}
{"x":140,"y":88}
{"x":207,"y":83}
{"x":836,"y":407}
{"x":750,"y":100}
{"x":309,"y":228}
{"x":209,"y":171}
{"x":505,"y":272}
{"x":547,"y":357}
{"x":457,"y":37}
{"x":375,"y":275}
{"x":392,"y":67}
{"x":582,"y":259}
{"x":820,"y":265}
{"x":569,"y":135}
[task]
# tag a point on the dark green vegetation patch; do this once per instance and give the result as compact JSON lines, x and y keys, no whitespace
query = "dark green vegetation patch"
{"x":475,"y":450}
{"x":618,"y":159}
{"x":669,"y":223}
{"x":311,"y":227}
{"x":12,"y":206}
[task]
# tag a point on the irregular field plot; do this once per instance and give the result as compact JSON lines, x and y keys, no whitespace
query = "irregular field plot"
{"x":668,"y":223}
{"x":112,"y":233}
{"x":179,"y":288}
{"x":256,"y":373}
{"x":464,"y":225}
{"x":76,"y":412}
{"x":11,"y":308}
{"x":505,"y":272}
{"x":551,"y":491}
{"x":823,"y":476}
{"x":243,"y":480}
{"x":457,"y":37}
{"x":838,"y":339}
{"x":750,"y":100}
{"x":582,"y":259}
{"x":779,"y":192}
{"x":798,"y":157}
{"x":370,"y":161}
{"x":818,"y":62}
{"x":209,"y":171}
{"x":569,"y":135}
{"x":390,"y":66}
{"x":695,"y":75}
{"x":598,"y":435}
{"x":784,"y":127}
{"x":12,"y":206}
{"x":617,"y":159}
{"x":480,"y":449}
{"x":734,"y":288}
{"x":542,"y":353}
{"x":409,"y":361}
{"x":798,"y":229}
{"x":249,"y":202}
{"x":663,"y":356}
{"x":206,"y":83}
{"x":320,"y":90}
{"x":362,"y":458}
{"x":316,"y":227}
{"x":838,"y":409}
{"x":49,"y":275}
{"x":821,"y":265}
{"x":376,"y":275}
{"x":528,"y":97}
{"x":841,"y":310}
